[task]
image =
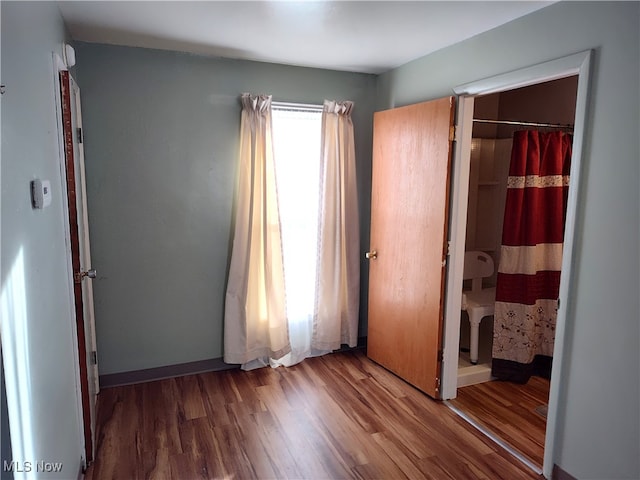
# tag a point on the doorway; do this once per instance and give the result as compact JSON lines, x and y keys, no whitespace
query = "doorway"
{"x":80,"y":271}
{"x":573,"y":66}
{"x":514,"y":412}
{"x":544,"y":107}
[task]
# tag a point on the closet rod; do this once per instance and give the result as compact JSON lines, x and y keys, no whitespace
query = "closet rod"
{"x":526,"y":124}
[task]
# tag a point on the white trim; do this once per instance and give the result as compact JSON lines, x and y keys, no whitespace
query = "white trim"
{"x":576,"y":64}
{"x":93,"y":386}
{"x":543,"y":72}
{"x":457,"y":231}
{"x":584,"y":72}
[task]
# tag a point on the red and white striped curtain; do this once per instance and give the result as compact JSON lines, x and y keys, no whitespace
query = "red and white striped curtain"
{"x":531,"y":255}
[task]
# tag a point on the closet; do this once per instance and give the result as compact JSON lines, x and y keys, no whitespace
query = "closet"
{"x":543,"y":107}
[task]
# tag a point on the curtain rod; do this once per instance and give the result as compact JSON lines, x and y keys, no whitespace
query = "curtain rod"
{"x":527,"y":124}
{"x":297,"y":107}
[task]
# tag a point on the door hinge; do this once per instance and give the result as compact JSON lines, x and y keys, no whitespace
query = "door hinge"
{"x":94,"y":358}
{"x":447,"y":254}
{"x":453,"y":133}
{"x":440,"y":355}
{"x":437,"y":384}
{"x":79,"y":132}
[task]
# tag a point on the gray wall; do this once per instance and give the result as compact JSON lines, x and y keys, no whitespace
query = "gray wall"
{"x":161,"y":135}
{"x":599,"y":433}
{"x":5,"y":432}
{"x":35,"y":286}
{"x":160,"y":158}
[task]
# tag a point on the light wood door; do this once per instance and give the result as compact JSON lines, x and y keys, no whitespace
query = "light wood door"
{"x":409,"y":214}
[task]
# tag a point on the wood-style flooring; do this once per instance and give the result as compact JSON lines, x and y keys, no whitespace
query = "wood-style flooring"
{"x":337,"y":416}
{"x":508,"y":410}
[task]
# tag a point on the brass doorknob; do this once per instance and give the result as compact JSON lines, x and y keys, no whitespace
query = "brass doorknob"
{"x":372,"y":255}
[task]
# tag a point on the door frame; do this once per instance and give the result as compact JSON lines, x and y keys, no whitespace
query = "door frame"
{"x":85,"y":424}
{"x":76,"y":225}
{"x":572,"y":65}
{"x":58,"y":66}
{"x":85,"y":250}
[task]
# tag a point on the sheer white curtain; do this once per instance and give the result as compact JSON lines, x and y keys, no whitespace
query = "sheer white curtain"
{"x":294,"y":280}
{"x":297,"y":134}
{"x":338,"y":269}
{"x":255,"y":314}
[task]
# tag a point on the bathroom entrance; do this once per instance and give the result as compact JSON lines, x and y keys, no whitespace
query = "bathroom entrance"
{"x":549,"y":97}
{"x":543,"y":108}
{"x":514,"y":412}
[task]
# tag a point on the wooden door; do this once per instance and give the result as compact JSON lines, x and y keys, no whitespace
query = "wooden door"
{"x":409,"y":215}
{"x":80,"y":255}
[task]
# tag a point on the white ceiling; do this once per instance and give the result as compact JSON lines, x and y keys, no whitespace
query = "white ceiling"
{"x":359,"y":36}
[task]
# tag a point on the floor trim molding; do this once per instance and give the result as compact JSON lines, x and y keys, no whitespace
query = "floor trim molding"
{"x":560,"y":474}
{"x":181,"y":369}
{"x":161,"y":373}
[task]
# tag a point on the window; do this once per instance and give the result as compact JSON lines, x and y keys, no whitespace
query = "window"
{"x":294,"y":273}
{"x":296,"y":144}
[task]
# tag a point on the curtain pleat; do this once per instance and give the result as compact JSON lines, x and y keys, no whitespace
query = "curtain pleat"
{"x":255,"y":322}
{"x":335,"y":319}
{"x":528,"y":278}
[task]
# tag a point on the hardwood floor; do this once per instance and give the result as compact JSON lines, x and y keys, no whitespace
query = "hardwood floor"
{"x":509,"y":411}
{"x":337,"y":416}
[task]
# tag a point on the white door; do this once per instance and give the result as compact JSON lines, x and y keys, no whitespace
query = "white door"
{"x":80,"y":255}
{"x":85,"y":249}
